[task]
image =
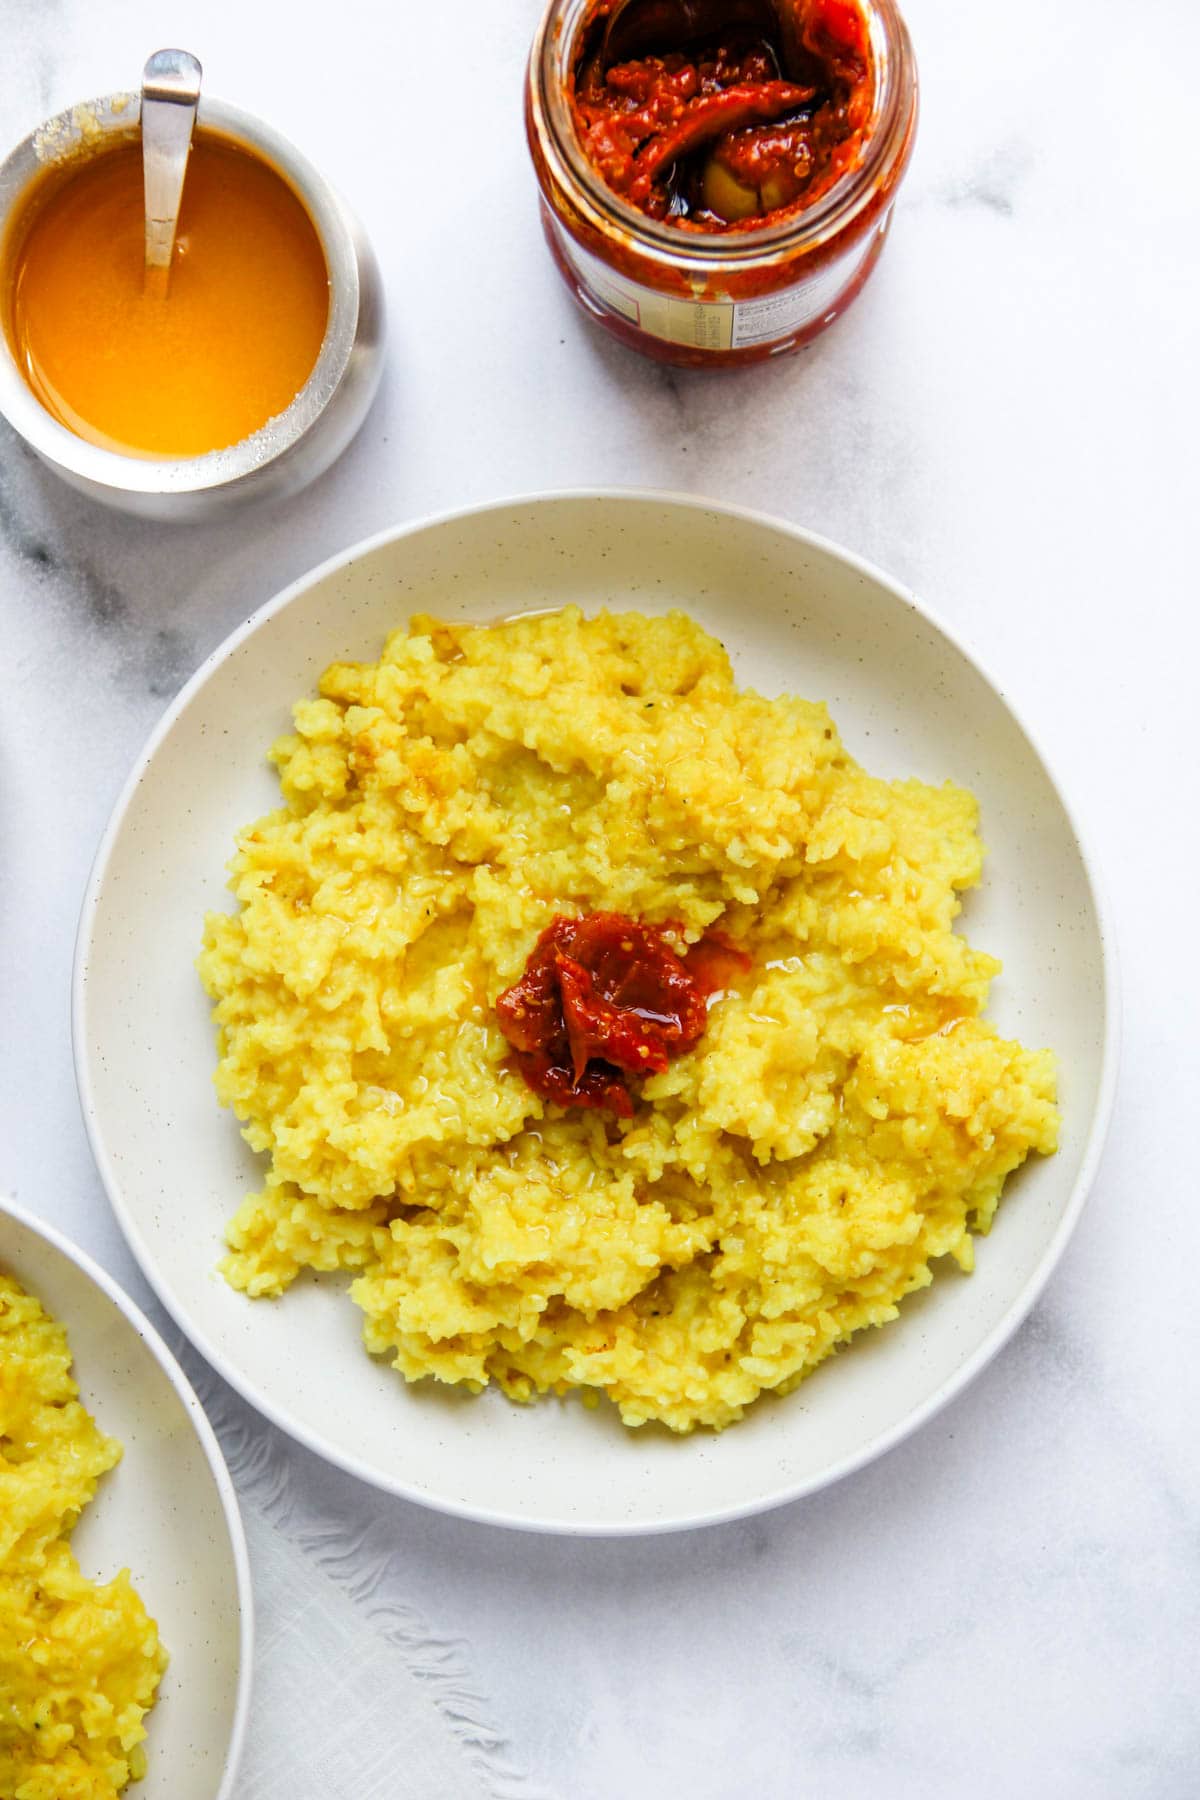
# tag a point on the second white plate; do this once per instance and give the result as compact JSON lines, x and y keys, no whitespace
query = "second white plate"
{"x":797,"y":615}
{"x":167,"y":1512}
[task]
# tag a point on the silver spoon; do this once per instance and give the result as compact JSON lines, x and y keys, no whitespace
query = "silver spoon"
{"x":170,"y":93}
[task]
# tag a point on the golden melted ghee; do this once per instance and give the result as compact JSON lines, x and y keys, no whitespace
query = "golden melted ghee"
{"x":199,"y":366}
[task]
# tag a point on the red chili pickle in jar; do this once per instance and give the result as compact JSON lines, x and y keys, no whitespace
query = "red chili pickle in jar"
{"x":719,"y":199}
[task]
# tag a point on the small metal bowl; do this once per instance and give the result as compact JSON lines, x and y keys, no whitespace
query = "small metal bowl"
{"x":295,"y":446}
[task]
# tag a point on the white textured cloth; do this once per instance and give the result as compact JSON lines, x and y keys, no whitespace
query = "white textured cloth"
{"x":377,"y":1706}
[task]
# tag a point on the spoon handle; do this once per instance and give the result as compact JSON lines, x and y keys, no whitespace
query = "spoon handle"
{"x":170,"y":92}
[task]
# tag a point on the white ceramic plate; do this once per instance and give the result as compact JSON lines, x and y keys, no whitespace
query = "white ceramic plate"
{"x":797,"y":615}
{"x":167,"y":1512}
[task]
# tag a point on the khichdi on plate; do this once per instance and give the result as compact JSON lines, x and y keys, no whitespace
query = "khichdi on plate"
{"x":798,"y":618}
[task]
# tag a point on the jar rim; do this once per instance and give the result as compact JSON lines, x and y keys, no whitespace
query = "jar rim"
{"x":885,"y":135}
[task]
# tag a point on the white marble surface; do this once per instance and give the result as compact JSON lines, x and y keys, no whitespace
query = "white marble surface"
{"x":1007,"y":420}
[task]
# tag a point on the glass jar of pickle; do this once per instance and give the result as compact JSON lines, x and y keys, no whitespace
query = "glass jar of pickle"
{"x":721,"y":199}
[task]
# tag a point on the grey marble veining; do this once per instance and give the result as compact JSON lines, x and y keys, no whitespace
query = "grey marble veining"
{"x":1008,"y":1603}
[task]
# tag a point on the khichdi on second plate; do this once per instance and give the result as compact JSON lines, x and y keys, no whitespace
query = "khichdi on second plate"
{"x":165,"y":1510}
{"x":797,"y":617}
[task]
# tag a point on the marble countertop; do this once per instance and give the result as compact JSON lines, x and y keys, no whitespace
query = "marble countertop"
{"x":1006,"y":419}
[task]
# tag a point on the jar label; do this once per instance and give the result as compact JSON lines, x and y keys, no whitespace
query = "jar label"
{"x":716,"y":324}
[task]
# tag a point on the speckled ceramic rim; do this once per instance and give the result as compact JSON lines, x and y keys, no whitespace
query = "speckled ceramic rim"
{"x":116,"y":116}
{"x":216,"y":1462}
{"x":884,"y":1440}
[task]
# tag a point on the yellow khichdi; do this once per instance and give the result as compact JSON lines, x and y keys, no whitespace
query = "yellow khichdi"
{"x":847,"y":1116}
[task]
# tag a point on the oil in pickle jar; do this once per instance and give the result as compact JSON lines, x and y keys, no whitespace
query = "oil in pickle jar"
{"x":719,"y":202}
